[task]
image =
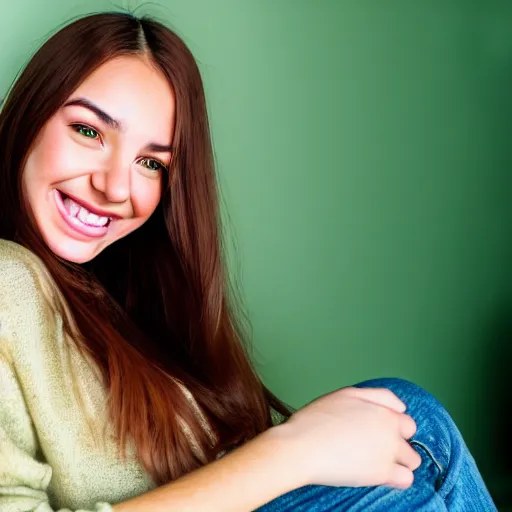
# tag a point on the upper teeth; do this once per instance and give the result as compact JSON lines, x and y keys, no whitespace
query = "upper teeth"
{"x":76,"y":210}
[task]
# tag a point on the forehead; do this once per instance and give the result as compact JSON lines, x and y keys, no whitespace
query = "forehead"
{"x":132,"y":90}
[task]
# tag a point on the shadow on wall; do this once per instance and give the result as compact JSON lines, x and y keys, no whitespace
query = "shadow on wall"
{"x":498,"y":377}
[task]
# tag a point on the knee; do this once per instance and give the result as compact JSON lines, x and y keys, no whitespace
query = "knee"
{"x":437,"y":434}
{"x":414,"y":396}
{"x":395,"y":384}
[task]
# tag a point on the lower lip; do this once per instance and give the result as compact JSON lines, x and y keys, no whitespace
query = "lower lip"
{"x":77,"y":224}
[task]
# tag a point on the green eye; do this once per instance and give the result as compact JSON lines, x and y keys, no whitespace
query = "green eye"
{"x":86,"y":131}
{"x":153,"y":165}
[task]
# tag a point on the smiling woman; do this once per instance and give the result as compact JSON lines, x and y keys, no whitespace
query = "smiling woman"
{"x":125,"y":382}
{"x":93,"y":177}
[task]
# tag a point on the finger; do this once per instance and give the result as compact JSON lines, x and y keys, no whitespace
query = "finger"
{"x":407,"y":426}
{"x":400,"y":477}
{"x":379,"y":396}
{"x":407,"y":456}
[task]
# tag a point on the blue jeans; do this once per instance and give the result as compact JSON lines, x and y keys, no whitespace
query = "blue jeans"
{"x":447,"y":479}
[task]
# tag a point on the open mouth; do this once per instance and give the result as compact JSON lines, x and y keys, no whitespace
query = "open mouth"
{"x":80,"y":218}
{"x":81,"y":213}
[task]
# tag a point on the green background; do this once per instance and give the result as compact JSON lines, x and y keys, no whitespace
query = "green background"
{"x":363,"y":153}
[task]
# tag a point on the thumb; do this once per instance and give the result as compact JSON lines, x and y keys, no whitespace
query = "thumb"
{"x":378,"y":396}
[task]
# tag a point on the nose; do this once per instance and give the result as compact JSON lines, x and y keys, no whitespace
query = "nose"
{"x":113,"y":182}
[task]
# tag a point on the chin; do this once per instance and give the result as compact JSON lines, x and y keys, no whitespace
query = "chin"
{"x":73,"y":251}
{"x":77,"y":258}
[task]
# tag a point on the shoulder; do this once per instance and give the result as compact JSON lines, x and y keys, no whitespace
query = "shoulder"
{"x":13,"y":253}
{"x":20,"y":270}
{"x":26,"y":288}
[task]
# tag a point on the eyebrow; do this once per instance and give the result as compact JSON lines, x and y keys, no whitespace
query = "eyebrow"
{"x":114,"y":123}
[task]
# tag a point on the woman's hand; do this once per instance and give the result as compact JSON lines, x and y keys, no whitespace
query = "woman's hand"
{"x":353,"y":437}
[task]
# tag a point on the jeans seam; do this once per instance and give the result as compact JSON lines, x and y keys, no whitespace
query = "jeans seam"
{"x":440,"y":478}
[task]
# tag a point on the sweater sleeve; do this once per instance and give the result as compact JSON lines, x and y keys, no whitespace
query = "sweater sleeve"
{"x":23,"y":478}
{"x":51,"y":457}
{"x":25,"y":474}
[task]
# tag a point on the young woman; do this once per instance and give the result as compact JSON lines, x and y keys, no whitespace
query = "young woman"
{"x":124,"y":381}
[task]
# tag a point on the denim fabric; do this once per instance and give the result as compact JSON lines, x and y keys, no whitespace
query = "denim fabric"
{"x":447,"y":479}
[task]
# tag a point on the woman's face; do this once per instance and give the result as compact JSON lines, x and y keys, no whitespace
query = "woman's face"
{"x":94,"y":174}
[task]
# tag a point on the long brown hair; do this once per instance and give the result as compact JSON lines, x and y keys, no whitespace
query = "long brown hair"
{"x":155,"y":304}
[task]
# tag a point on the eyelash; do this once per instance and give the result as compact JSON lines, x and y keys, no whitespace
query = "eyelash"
{"x":78,"y":126}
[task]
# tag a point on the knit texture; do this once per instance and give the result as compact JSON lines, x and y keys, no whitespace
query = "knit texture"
{"x":51,"y":459}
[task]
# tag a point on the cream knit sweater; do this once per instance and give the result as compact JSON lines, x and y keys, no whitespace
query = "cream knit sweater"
{"x":50,"y":457}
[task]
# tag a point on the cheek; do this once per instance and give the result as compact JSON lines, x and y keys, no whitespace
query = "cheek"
{"x":146,"y":197}
{"x":49,"y":160}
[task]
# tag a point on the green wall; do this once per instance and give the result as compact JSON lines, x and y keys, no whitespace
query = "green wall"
{"x":363,"y":151}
